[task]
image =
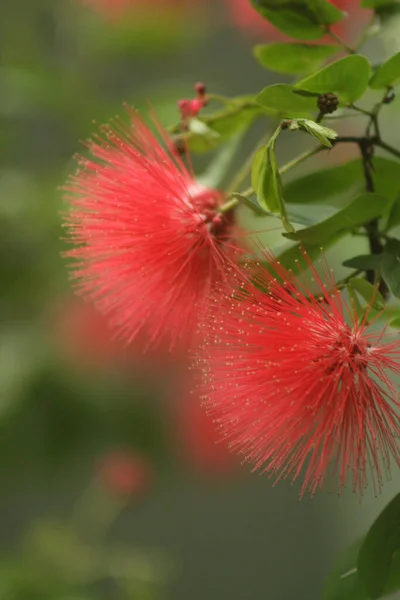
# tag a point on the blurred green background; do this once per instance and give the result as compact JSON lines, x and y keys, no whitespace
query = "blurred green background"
{"x":112,"y":486}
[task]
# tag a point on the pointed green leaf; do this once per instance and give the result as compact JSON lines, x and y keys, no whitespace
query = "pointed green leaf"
{"x":364,"y":262}
{"x":388,"y":74}
{"x":363,"y":209}
{"x":368,"y":291}
{"x":347,"y":77}
{"x":279,"y":99}
{"x":321,"y":133}
{"x":266,"y":182}
{"x":293,"y":58}
{"x":377,"y":551}
{"x":390,"y":266}
{"x":301,"y":19}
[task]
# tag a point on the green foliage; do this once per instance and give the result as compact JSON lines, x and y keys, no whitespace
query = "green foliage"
{"x":347,"y":77}
{"x":388,"y":74}
{"x":301,"y":19}
{"x":361,"y":210}
{"x":364,"y":262}
{"x":321,"y":133}
{"x":368,"y":291}
{"x":390,"y":266}
{"x":378,"y":548}
{"x":279,"y":100}
{"x":327,"y":185}
{"x":293,"y":58}
{"x":266,"y":181}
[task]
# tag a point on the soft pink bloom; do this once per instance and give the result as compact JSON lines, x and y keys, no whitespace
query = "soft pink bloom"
{"x":296,"y":382}
{"x":151,"y":242}
{"x":123,"y":473}
{"x":246,"y":18}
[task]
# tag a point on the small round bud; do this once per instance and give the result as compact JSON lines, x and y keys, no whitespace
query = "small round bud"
{"x":327,"y":103}
{"x":178,"y":146}
{"x":200,"y":89}
{"x":390,"y":96}
{"x":286,"y":123}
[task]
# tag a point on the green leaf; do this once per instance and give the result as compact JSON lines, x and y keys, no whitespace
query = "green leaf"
{"x":388,"y":74}
{"x":347,"y":78}
{"x":390,"y":266}
{"x":394,"y":216}
{"x":364,"y":208}
{"x":364,"y":262}
{"x":343,"y":582}
{"x":395,"y":324}
{"x":279,"y":100}
{"x":293,"y":58}
{"x":216,"y":171}
{"x":380,"y":544}
{"x":267,"y":184}
{"x":368,"y":291}
{"x":266,"y":181}
{"x":301,"y":19}
{"x":324,"y":185}
{"x":378,"y":3}
{"x":323,"y":134}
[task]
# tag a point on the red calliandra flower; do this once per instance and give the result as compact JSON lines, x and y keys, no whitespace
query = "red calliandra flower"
{"x":124,"y":473}
{"x":246,"y":18}
{"x":295,"y":381}
{"x":151,"y":242}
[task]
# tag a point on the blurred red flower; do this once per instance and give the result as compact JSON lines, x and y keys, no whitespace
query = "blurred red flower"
{"x":246,"y":18}
{"x":295,"y":381}
{"x":123,"y":473}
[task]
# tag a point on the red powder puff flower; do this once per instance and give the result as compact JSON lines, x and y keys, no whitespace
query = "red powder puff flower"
{"x":296,"y":381}
{"x":151,"y":242}
{"x":248,"y":19}
{"x":123,"y":473}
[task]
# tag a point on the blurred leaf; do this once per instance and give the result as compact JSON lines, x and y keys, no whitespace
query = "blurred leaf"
{"x":390,"y":266}
{"x":323,"y":185}
{"x":394,"y":216}
{"x":368,"y":291}
{"x":301,"y":19}
{"x":293,"y":58}
{"x":343,"y":582}
{"x":321,"y":133}
{"x":377,"y":550}
{"x":378,"y":3}
{"x":216,"y":172}
{"x":279,"y":99}
{"x":395,"y":323}
{"x":309,"y":214}
{"x":363,"y":209}
{"x":347,"y":78}
{"x":387,"y":74}
{"x":364,"y":262}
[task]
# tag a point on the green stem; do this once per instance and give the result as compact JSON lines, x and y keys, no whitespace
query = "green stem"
{"x":339,"y":41}
{"x":299,"y":159}
{"x":388,"y":148}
